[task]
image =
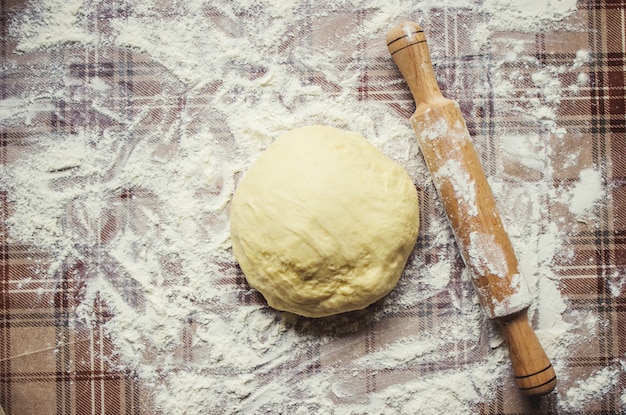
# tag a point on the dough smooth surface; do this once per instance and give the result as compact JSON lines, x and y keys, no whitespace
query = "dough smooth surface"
{"x":323,"y":222}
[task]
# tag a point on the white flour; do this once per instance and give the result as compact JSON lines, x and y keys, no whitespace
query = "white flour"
{"x":595,"y":386}
{"x":461,"y":183}
{"x":586,"y":193}
{"x":171,"y":243}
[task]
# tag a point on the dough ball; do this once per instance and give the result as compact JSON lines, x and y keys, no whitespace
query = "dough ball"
{"x":323,"y":222}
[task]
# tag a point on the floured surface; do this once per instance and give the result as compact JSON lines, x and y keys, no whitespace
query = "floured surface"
{"x":126,"y":127}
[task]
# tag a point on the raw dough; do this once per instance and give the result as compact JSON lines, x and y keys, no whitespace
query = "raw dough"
{"x":323,"y":222}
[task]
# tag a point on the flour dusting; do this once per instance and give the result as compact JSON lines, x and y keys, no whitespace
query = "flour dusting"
{"x":462,"y":185}
{"x":596,"y":385}
{"x":587,"y":192}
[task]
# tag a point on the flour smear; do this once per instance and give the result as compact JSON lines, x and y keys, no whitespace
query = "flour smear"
{"x":143,"y":198}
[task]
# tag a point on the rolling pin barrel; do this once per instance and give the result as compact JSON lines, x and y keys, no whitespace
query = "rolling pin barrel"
{"x":470,"y":206}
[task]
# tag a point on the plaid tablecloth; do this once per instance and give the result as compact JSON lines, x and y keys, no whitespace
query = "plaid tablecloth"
{"x":52,"y":363}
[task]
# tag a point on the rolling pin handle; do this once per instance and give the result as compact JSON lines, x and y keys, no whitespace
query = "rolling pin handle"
{"x":407,"y":44}
{"x":534,"y":374}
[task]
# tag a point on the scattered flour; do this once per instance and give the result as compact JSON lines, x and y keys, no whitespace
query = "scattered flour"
{"x":52,"y":23}
{"x":616,"y":283}
{"x":526,"y":15}
{"x":437,"y":275}
{"x":583,"y":79}
{"x":485,"y":254}
{"x":453,"y":173}
{"x":595,"y":386}
{"x":152,"y":210}
{"x":587,"y":192}
{"x":582,"y":57}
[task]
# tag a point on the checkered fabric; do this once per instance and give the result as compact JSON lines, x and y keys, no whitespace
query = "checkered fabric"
{"x":52,"y":363}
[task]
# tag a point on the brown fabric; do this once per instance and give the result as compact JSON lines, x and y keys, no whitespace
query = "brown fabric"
{"x":50,"y":363}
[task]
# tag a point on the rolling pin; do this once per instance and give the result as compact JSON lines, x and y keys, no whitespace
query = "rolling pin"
{"x":470,"y":206}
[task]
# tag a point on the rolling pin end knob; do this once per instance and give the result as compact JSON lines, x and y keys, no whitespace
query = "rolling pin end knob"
{"x":403,"y":35}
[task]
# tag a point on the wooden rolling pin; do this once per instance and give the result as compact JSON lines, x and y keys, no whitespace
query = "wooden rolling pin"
{"x":470,"y":206}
